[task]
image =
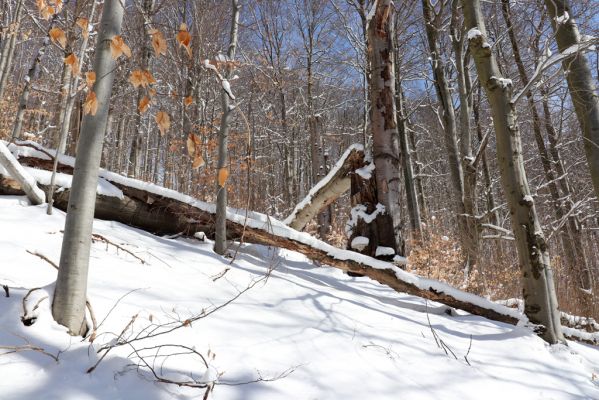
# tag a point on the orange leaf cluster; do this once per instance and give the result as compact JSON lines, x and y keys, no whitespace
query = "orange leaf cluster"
{"x":158,"y":42}
{"x":184,"y":38}
{"x":141,"y":78}
{"x":223,"y":174}
{"x":193,"y":149}
{"x":90,"y":78}
{"x":83,"y":23}
{"x":188,"y":101}
{"x":46,"y":10}
{"x":144,"y":104}
{"x":164,"y":122}
{"x":57,"y":35}
{"x":73,"y":63}
{"x":118,"y":47}
{"x":91,"y":104}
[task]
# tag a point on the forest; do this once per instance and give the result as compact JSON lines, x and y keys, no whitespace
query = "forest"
{"x":446,"y":149}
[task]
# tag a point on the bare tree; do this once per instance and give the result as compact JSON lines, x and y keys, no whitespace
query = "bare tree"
{"x":68,"y":306}
{"x":538,"y":286}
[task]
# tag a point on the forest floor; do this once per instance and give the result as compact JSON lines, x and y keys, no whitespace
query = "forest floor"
{"x":295,"y":330}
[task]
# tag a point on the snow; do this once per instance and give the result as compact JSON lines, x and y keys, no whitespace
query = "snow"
{"x":474,"y":33}
{"x":504,"y":83}
{"x":227,"y":88}
{"x":359,"y":212}
{"x":562,"y":19}
{"x":359,"y":243}
{"x":322,"y":183}
{"x":384,"y":251}
{"x":366,"y":171}
{"x":342,"y":337}
{"x":64,"y":181}
{"x":12,"y":163}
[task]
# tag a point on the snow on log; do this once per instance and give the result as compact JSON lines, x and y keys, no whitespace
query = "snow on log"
{"x":26,"y":181}
{"x":164,"y":211}
{"x":326,"y":191}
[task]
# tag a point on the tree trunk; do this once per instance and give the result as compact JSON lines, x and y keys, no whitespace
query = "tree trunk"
{"x":580,"y":82}
{"x":68,"y":306}
{"x":8,"y":50}
{"x":385,"y":146}
{"x":566,"y":239}
{"x":220,"y":240}
{"x":135,"y":157}
{"x":538,"y":286}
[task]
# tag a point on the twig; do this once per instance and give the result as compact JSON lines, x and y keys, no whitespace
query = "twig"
{"x":43,"y":257}
{"x":27,"y":347}
{"x":93,"y":367}
{"x":220,"y":274}
{"x":107,"y":241}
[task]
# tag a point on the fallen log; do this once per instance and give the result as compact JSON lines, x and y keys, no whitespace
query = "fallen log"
{"x":26,"y":181}
{"x":164,"y":211}
{"x":326,"y":191}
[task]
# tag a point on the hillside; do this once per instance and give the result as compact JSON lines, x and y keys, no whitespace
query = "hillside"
{"x":315,"y":332}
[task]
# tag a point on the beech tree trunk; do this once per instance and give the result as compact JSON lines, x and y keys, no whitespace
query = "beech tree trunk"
{"x":538,"y":286}
{"x":68,"y":306}
{"x":220,"y":240}
{"x":580,"y":82}
{"x":8,"y":49}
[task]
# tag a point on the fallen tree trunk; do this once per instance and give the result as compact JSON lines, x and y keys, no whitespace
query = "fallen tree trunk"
{"x":164,"y":211}
{"x":158,"y":210}
{"x":12,"y":166}
{"x":326,"y":191}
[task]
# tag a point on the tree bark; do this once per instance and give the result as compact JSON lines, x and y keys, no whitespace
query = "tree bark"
{"x":580,"y":83}
{"x":385,"y":137}
{"x":8,"y":50}
{"x":538,"y":286}
{"x":68,"y":306}
{"x":220,"y":241}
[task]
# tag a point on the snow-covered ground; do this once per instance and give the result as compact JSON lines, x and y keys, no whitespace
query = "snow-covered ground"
{"x":324,"y":334}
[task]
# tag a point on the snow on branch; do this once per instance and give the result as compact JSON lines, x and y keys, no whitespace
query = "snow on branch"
{"x":549,"y":60}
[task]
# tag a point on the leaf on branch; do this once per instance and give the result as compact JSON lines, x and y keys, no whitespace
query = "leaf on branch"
{"x":73,"y":62}
{"x":188,"y":101}
{"x":174,"y":94}
{"x":144,"y":104}
{"x":141,"y":78}
{"x":152,"y":92}
{"x":191,"y":147}
{"x":149,"y":78}
{"x":184,"y":38}
{"x":198,"y":162}
{"x":83,"y":23}
{"x":164,"y":122}
{"x":40,"y":4}
{"x":91,"y":104}
{"x":90,"y":78}
{"x":47,"y":12}
{"x":57,"y":4}
{"x":223,"y":174}
{"x":57,"y":35}
{"x":158,"y":42}
{"x":118,"y":47}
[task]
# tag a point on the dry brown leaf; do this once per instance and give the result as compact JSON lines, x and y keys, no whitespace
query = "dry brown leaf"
{"x":137,"y":78}
{"x":47,"y":12}
{"x":191,"y":146}
{"x":198,"y":162}
{"x":91,"y":104}
{"x":83,"y":23}
{"x":40,"y":4}
{"x":149,"y":78}
{"x":90,"y":78}
{"x":188,"y":101}
{"x":57,"y":35}
{"x":164,"y":121}
{"x":158,"y":42}
{"x":184,"y":38}
{"x":57,"y":4}
{"x":144,"y":104}
{"x":73,"y":62}
{"x":152,"y":92}
{"x":118,"y":47}
{"x":223,"y":174}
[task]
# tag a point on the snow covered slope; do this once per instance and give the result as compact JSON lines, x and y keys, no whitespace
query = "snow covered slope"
{"x":323,"y":334}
